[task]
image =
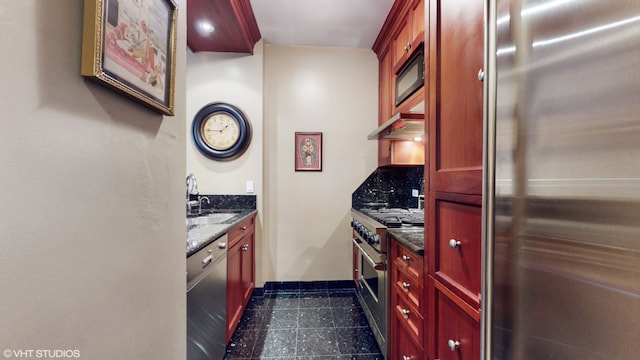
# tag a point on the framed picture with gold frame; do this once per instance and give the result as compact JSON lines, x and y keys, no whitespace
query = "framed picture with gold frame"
{"x":130,"y":46}
{"x":308,"y":151}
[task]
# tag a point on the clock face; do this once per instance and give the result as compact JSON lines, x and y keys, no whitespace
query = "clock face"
{"x":220,"y":131}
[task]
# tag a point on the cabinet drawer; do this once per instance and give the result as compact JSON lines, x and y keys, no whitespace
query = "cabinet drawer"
{"x":403,"y":346}
{"x":243,"y":228}
{"x":408,"y":261}
{"x":409,"y":287}
{"x":458,"y":247}
{"x":457,"y":333}
{"x":408,"y":316}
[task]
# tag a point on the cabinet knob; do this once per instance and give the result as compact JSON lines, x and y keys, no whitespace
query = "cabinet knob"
{"x":405,"y":357}
{"x":405,"y":258}
{"x":245,"y":247}
{"x":405,"y":312}
{"x":453,"y":243}
{"x":222,"y":245}
{"x":244,"y":228}
{"x":481,"y":75}
{"x":453,"y":345}
{"x":405,"y":285}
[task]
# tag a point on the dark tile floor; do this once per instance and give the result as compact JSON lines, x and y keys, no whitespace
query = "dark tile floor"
{"x":304,"y":325}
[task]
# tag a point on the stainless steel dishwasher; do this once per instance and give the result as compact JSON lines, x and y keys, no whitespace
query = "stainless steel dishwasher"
{"x":207,"y":301}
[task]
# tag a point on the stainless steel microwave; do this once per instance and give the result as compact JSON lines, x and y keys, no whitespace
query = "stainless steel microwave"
{"x":410,"y":78}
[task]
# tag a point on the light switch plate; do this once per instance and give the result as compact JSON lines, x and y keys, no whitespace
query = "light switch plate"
{"x":415,"y":192}
{"x":249,"y":187}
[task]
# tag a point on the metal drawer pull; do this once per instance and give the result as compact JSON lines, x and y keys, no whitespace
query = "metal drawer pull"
{"x":405,"y":258}
{"x":405,"y":312}
{"x":481,"y":75}
{"x":405,"y":285}
{"x":453,"y":243}
{"x":222,"y":245}
{"x":405,"y":357}
{"x":206,"y":261}
{"x":453,"y":345}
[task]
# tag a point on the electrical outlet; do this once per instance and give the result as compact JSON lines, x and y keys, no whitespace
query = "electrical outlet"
{"x":415,"y":192}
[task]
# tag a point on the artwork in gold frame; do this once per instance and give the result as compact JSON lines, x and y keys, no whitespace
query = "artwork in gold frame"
{"x":130,"y":46}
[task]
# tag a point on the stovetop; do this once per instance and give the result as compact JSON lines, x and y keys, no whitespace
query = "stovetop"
{"x":396,"y":217}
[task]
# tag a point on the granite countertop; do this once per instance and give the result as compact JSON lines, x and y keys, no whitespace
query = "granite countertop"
{"x":201,"y":234}
{"x":412,"y":238}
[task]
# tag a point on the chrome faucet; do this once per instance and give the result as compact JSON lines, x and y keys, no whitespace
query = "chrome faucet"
{"x":202,"y":199}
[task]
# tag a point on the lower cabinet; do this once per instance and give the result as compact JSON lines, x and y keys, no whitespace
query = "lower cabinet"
{"x":240,"y":271}
{"x":407,"y":318}
{"x":403,"y":346}
{"x":455,"y":327}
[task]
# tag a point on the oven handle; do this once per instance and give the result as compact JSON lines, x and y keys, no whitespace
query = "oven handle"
{"x":378,"y":266}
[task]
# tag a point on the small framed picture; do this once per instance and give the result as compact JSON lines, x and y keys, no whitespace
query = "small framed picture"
{"x":308,"y":151}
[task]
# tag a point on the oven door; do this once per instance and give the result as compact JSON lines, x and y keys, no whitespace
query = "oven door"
{"x":372,"y":289}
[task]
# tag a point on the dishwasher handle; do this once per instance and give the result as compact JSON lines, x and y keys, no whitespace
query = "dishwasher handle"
{"x":207,"y":261}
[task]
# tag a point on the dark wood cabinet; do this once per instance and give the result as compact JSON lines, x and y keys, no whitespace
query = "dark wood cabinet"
{"x":455,"y":39}
{"x":455,"y":246}
{"x":240,"y":271}
{"x":403,"y":345}
{"x":456,"y":56}
{"x":403,"y":29}
{"x":409,"y":34}
{"x":408,"y":308}
{"x":455,"y":328}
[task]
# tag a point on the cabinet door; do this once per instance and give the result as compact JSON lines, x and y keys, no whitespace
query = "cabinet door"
{"x":455,"y":246}
{"x":402,"y":42}
{"x":234,"y":286}
{"x":456,"y":55}
{"x":386,"y":95}
{"x":248,"y":267}
{"x":457,"y":327}
{"x":386,"y":90}
{"x":418,"y":24}
{"x":403,"y":345}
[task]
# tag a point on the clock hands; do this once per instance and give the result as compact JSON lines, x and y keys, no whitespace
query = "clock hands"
{"x":220,"y":130}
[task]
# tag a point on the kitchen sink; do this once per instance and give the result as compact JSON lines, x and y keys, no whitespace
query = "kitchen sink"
{"x":212,"y":218}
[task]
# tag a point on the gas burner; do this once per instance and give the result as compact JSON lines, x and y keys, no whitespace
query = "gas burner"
{"x":394,"y":210}
{"x":390,"y":221}
{"x":397,"y":217}
{"x":413,"y":220}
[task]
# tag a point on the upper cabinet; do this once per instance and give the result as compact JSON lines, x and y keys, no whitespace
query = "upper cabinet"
{"x":401,"y":35}
{"x":456,"y":59}
{"x":409,"y":35}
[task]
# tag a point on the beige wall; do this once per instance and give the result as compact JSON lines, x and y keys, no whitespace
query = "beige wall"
{"x":334,"y":91}
{"x":92,"y":250}
{"x":236,"y":79}
{"x":303,"y":223}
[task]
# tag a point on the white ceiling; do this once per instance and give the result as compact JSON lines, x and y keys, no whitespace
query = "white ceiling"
{"x":332,"y":23}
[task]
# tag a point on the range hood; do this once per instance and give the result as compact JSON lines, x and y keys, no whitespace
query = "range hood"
{"x":402,"y":126}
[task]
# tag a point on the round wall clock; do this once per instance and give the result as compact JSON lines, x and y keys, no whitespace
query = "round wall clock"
{"x":221,"y":131}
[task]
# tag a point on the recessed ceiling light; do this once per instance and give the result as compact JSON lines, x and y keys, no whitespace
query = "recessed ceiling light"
{"x":204,"y":27}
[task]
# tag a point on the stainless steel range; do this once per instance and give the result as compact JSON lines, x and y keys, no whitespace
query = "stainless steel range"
{"x":371,"y":241}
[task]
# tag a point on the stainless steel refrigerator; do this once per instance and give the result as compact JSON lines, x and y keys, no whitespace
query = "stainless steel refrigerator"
{"x":562,"y":180}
